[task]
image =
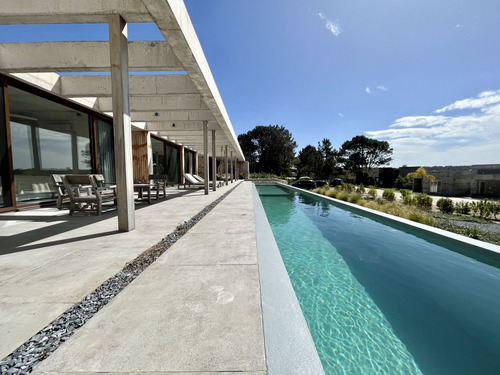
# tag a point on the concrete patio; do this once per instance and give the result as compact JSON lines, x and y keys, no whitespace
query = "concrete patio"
{"x":197,"y":309}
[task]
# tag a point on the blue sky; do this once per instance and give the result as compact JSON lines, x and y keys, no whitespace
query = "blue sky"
{"x":423,"y":75}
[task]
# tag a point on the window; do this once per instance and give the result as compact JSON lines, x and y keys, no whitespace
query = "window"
{"x":47,"y":137}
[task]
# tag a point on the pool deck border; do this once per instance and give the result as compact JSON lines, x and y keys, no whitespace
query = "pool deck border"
{"x":289,"y":345}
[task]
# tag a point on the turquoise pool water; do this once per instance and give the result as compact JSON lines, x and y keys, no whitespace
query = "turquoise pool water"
{"x":378,"y":300}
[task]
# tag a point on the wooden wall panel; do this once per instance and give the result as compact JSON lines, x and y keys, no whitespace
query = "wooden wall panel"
{"x":140,"y":155}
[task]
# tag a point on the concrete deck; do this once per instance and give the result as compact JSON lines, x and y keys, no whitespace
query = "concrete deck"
{"x":197,"y":309}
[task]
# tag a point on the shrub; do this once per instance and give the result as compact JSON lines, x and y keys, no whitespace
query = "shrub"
{"x":348,"y":188}
{"x":445,"y":205}
{"x":372,"y":192}
{"x":361,"y":189}
{"x":389,"y":195}
{"x":495,"y":209}
{"x":409,"y":200}
{"x":405,"y":192}
{"x":424,"y":201}
{"x":462,"y":208}
{"x":354,"y":198}
{"x":484,"y":208}
{"x":343,"y":196}
{"x":403,"y":183}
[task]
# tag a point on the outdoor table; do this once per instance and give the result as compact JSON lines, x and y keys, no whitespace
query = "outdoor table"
{"x":140,"y":189}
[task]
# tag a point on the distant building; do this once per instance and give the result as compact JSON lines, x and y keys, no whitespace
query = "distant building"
{"x":474,"y":180}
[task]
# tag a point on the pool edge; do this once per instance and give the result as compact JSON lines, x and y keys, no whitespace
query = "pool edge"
{"x":289,"y":345}
{"x":485,"y":249}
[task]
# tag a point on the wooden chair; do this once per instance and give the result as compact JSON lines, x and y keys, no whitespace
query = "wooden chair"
{"x":57,"y":179}
{"x":84,"y":194}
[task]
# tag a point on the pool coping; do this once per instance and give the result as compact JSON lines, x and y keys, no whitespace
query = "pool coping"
{"x":481,"y":248}
{"x":289,"y":345}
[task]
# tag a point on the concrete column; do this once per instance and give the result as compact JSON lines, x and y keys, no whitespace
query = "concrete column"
{"x":214,"y":162}
{"x":182,"y":163}
{"x":237,"y":169}
{"x":195,"y":161}
{"x":232,"y":168}
{"x":227,"y":165}
{"x":118,"y":50}
{"x":205,"y":154}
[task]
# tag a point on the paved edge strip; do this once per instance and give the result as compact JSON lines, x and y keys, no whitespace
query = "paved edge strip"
{"x":289,"y":345}
{"x":41,"y":345}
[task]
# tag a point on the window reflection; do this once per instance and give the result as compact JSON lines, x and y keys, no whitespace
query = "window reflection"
{"x":47,"y":138}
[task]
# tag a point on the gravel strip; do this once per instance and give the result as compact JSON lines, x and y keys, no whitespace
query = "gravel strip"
{"x":45,"y":342}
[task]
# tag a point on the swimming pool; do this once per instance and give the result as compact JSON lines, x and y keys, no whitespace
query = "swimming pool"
{"x":379,"y":300}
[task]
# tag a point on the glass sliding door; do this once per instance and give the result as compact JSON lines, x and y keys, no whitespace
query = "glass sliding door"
{"x":47,"y":138}
{"x":5,"y":193}
{"x":159,"y":156}
{"x":173,"y":162}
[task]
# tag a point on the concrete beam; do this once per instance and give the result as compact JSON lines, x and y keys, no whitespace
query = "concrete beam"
{"x":84,"y":57}
{"x":173,"y":116}
{"x":190,"y":127}
{"x":121,"y":123}
{"x":100,"y":85}
{"x":70,"y":11}
{"x":174,"y":22}
{"x":185,"y":102}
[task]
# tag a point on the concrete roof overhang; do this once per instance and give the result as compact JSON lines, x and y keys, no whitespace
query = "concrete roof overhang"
{"x":174,"y":106}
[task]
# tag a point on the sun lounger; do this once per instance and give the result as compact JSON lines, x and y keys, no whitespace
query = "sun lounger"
{"x":191,"y":181}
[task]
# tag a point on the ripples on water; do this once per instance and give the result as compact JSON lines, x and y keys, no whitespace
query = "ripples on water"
{"x":381,"y":301}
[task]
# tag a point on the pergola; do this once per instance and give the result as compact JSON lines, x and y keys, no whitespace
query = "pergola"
{"x":184,"y":107}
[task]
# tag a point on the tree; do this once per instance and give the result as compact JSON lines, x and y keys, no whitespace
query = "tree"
{"x":271,"y":147}
{"x":310,"y":162}
{"x":361,"y":154}
{"x":421,"y":173}
{"x":329,"y":156}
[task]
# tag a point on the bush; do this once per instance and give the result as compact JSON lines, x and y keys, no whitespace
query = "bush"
{"x":372,"y":192}
{"x":484,"y":209}
{"x":405,"y":192}
{"x":354,"y":198}
{"x":495,"y":209}
{"x":389,"y":195}
{"x":361,"y":189}
{"x":462,"y":208}
{"x":403,"y":183}
{"x":424,"y":201}
{"x":445,"y":205}
{"x":409,"y":200}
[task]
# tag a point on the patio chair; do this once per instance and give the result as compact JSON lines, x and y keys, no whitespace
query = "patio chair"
{"x":57,"y":179}
{"x":84,"y":194}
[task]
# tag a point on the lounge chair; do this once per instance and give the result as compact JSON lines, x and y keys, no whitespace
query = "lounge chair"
{"x":201,"y":179}
{"x":191,"y":181}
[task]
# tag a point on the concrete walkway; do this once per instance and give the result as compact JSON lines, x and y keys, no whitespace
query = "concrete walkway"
{"x":196,"y":310}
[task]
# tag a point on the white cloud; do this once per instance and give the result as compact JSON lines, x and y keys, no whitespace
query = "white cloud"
{"x":333,"y":26}
{"x":483,"y":99}
{"x":368,"y":90}
{"x":382,"y":88}
{"x":341,"y":114}
{"x":459,"y":138}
